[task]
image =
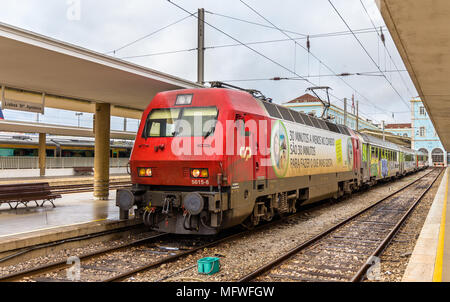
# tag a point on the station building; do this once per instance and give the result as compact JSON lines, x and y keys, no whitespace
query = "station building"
{"x":424,"y":136}
{"x":403,"y":130}
{"x":310,"y":104}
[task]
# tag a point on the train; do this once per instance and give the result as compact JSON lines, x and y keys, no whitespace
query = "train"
{"x":21,"y":145}
{"x":209,"y":159}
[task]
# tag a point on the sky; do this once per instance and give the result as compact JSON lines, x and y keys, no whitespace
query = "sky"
{"x":108,"y":25}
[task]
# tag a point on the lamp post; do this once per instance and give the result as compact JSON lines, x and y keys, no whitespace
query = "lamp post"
{"x":79,"y":115}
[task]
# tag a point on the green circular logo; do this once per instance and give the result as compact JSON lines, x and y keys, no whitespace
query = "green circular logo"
{"x":279,"y":149}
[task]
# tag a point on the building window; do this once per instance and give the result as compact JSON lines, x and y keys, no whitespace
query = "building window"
{"x":437,"y":156}
{"x":422,"y":110}
{"x":422,"y":131}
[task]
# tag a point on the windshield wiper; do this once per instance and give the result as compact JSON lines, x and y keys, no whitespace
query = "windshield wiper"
{"x":209,"y":132}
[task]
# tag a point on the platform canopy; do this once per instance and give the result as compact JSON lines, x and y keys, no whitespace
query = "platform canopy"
{"x":27,"y":127}
{"x":421,"y":32}
{"x":74,"y":78}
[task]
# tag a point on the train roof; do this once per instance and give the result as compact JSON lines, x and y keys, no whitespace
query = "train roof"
{"x":21,"y":140}
{"x":58,"y":141}
{"x":244,"y":102}
{"x":379,"y":142}
{"x":385,"y":144}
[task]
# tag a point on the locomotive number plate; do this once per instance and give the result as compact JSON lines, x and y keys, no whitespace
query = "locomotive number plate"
{"x":203,"y":182}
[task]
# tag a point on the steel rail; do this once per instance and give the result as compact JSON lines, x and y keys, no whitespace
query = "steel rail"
{"x":260,"y":271}
{"x":387,"y":240}
{"x":22,"y":251}
{"x":169,"y":259}
{"x":57,"y":266}
{"x":70,"y":189}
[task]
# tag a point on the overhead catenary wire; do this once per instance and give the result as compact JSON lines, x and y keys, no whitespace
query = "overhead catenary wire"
{"x":304,"y":36}
{"x":152,"y":33}
{"x":381,"y":36}
{"x":367,"y":52}
{"x":159,"y":53}
{"x":224,"y":46}
{"x":333,"y":34}
{"x":252,"y":49}
{"x":367,"y":73}
{"x":312,"y":54}
{"x":250,"y":22}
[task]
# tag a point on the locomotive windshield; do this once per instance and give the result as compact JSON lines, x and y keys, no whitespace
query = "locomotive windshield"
{"x":183,"y":122}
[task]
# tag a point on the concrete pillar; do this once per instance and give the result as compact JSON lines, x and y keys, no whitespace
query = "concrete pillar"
{"x":445,"y":158}
{"x":102,"y":124}
{"x":42,"y":152}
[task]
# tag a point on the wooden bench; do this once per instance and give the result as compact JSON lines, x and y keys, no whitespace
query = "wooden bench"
{"x":26,"y":193}
{"x":83,"y":170}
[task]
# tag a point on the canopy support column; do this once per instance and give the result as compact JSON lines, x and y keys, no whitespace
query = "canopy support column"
{"x":42,"y":153}
{"x":102,"y":125}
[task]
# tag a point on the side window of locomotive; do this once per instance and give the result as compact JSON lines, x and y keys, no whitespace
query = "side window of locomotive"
{"x":240,"y":124}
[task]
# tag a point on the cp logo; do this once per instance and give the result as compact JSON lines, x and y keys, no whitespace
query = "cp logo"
{"x":246,"y":153}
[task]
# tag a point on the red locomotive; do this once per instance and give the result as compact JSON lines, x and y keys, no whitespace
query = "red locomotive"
{"x":209,"y":159}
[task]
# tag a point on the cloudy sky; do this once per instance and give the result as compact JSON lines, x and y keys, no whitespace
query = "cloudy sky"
{"x":108,"y":25}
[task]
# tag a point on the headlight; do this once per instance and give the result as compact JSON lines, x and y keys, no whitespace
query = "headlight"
{"x":145,"y":172}
{"x":199,"y":173}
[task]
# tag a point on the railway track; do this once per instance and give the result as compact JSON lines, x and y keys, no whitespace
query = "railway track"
{"x":70,"y":189}
{"x":346,"y":251}
{"x":124,"y":262}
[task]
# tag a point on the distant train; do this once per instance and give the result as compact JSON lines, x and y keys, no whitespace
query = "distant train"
{"x":27,"y":146}
{"x":248,"y":161}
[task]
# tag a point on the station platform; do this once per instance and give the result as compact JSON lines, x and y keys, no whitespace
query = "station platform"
{"x":75,"y":215}
{"x":430,"y":260}
{"x":62,"y":180}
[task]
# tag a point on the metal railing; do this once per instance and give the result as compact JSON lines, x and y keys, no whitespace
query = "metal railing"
{"x":19,"y":162}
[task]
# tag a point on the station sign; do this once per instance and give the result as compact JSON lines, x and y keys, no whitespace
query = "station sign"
{"x":22,"y":106}
{"x":12,"y":104}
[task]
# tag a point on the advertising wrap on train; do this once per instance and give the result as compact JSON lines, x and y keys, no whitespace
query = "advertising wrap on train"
{"x":295,"y":152}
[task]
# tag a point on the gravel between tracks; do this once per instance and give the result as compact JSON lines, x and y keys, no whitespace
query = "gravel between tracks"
{"x":395,"y":258}
{"x":64,"y":254}
{"x":242,"y":256}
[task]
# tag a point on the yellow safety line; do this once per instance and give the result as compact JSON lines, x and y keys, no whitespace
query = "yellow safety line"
{"x":437,"y":276}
